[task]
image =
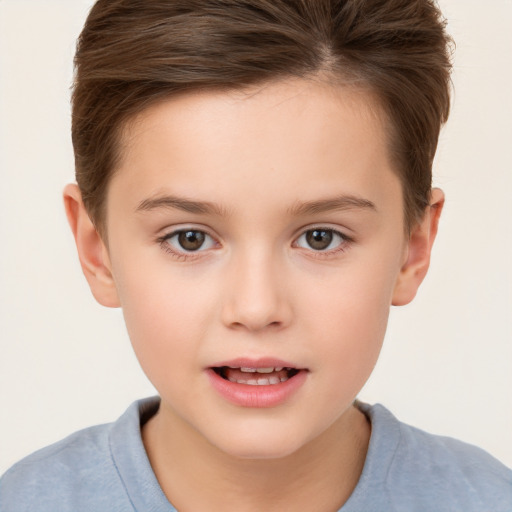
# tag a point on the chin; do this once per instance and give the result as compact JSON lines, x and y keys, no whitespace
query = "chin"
{"x":258,"y":452}
{"x":257,"y":445}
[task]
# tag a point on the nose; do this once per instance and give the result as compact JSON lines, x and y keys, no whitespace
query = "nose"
{"x":256,"y":298}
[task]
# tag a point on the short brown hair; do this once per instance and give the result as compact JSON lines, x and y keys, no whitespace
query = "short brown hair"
{"x":133,"y":53}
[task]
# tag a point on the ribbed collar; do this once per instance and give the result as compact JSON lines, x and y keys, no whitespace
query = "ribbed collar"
{"x":131,"y":460}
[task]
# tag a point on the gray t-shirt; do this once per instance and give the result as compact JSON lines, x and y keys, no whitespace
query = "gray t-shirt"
{"x":105,"y":468}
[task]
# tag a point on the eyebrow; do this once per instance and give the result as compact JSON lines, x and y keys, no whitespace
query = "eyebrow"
{"x":179,"y":203}
{"x":346,"y":202}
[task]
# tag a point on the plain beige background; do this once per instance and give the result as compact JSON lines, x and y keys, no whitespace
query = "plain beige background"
{"x":66,"y":363}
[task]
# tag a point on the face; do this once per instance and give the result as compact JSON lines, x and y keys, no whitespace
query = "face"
{"x":255,"y":240}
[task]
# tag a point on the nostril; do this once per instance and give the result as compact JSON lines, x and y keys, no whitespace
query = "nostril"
{"x":254,"y":326}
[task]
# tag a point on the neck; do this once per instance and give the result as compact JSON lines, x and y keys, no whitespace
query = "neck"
{"x":319,"y":476}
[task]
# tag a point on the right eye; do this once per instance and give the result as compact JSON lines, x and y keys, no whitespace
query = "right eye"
{"x":188,"y":240}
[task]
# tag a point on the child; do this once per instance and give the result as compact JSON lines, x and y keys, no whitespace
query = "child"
{"x":254,"y":190}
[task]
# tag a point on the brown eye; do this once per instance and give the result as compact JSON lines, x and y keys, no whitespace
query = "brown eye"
{"x":321,"y":239}
{"x":187,"y":240}
{"x":191,"y":240}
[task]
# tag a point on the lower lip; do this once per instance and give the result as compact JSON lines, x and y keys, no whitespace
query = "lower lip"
{"x":255,"y":396}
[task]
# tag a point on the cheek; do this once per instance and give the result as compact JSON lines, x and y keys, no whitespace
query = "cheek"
{"x":166,"y":314}
{"x":349,"y":314}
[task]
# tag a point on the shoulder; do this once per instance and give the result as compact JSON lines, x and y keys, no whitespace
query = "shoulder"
{"x":57,"y":470}
{"x":438,"y":472}
{"x":454,"y":468}
{"x":75,"y":474}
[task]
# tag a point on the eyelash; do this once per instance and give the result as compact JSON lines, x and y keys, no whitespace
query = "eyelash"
{"x":185,"y":255}
{"x":344,"y":244}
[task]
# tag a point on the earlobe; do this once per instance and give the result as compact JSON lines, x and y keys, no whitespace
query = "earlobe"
{"x":92,"y":251}
{"x":419,"y":248}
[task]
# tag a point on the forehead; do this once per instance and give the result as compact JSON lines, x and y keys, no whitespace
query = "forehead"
{"x":257,"y":105}
{"x":292,"y":140}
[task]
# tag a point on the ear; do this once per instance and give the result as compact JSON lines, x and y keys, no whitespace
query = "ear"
{"x":419,"y":248}
{"x":92,"y":251}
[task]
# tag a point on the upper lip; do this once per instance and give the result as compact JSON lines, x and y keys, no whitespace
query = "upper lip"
{"x":260,"y":362}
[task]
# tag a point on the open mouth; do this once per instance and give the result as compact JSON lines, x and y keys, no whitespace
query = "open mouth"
{"x":256,"y":376}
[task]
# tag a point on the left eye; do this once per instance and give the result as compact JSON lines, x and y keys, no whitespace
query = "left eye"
{"x":189,"y":240}
{"x":320,"y":239}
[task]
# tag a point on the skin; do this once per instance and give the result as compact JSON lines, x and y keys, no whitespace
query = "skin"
{"x":275,"y":162}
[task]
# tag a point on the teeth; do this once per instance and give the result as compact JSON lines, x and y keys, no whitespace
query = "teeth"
{"x":253,"y":378}
{"x":261,"y":381}
{"x":260,"y":370}
{"x":264,"y":370}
